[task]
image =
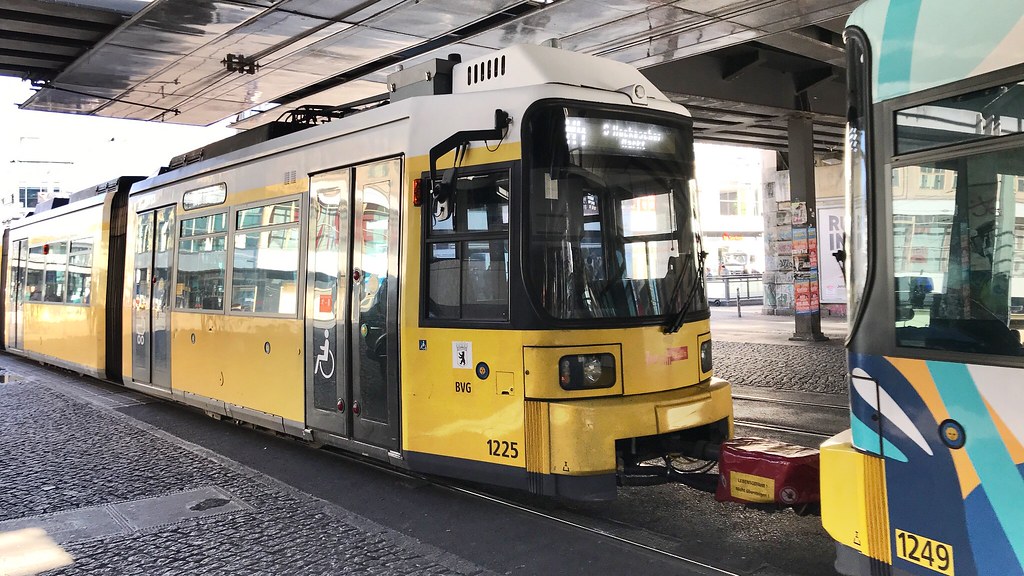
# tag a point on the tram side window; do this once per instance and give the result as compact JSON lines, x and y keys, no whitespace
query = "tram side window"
{"x":54,"y":272}
{"x":202,"y":257}
{"x":959,"y":254}
{"x":34,"y":274}
{"x":80,"y":271}
{"x":468,"y":254}
{"x":264,"y":275}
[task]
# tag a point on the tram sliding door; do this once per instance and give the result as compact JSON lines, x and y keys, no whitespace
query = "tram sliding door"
{"x":352,"y":376}
{"x":15,"y":327}
{"x":151,"y":328}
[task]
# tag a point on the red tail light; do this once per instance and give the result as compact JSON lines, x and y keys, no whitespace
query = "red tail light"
{"x":417,"y":192}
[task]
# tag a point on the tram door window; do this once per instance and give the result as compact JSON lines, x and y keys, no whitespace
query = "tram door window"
{"x":151,"y":333}
{"x":352,"y":387}
{"x":19,"y":252}
{"x":160,"y":303}
{"x":327,"y":395}
{"x":373,"y":301}
{"x":140,"y":298}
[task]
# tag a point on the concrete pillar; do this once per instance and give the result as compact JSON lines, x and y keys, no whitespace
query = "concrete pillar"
{"x":805,"y":229}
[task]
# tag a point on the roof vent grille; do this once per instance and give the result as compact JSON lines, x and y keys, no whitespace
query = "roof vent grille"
{"x":485,"y":70}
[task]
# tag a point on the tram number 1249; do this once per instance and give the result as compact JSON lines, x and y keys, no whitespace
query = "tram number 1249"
{"x":503,"y":448}
{"x":925,"y":552}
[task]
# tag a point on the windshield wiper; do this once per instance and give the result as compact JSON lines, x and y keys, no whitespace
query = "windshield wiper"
{"x":679,"y":319}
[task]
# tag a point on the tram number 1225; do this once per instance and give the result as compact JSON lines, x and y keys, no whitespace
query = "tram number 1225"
{"x":925,"y":552}
{"x":503,"y":448}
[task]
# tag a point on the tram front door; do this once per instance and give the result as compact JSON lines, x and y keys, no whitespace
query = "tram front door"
{"x":351,"y":312}
{"x":151,"y":328}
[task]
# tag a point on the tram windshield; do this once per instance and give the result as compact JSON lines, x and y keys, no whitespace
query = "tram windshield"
{"x":610,"y":220}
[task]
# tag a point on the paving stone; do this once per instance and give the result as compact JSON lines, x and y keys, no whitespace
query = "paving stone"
{"x":61,"y":453}
{"x":782,"y":367}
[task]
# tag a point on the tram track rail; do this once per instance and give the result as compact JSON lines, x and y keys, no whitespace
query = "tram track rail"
{"x":786,"y":415}
{"x":458,"y":487}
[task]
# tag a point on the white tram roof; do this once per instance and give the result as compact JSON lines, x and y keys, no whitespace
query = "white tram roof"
{"x":527,"y":65}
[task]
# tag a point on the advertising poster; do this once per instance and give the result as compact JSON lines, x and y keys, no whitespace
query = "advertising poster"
{"x":805,"y":292}
{"x":799,"y":240}
{"x":799,"y":214}
{"x":830,"y":241}
{"x":784,"y":248}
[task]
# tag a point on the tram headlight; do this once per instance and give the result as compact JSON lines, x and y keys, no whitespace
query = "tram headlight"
{"x":592,"y":371}
{"x":586,"y":371}
{"x":705,"y":356}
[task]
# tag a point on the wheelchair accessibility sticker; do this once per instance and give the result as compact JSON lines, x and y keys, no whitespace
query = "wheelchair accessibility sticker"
{"x":325,"y":359}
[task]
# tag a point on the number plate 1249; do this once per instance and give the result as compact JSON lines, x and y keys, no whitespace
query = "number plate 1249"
{"x":926,"y":552}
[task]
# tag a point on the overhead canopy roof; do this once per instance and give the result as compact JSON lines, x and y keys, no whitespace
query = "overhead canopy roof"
{"x":741,"y":66}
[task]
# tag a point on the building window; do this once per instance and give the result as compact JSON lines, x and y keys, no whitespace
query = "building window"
{"x":729,"y":203}
{"x":29,"y":196}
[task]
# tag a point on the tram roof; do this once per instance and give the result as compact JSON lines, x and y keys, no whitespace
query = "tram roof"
{"x":741,"y":66}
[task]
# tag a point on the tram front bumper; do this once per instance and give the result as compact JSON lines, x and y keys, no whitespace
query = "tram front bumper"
{"x":583,"y":433}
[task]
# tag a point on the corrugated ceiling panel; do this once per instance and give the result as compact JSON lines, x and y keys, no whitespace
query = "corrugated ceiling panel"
{"x":430,"y":18}
{"x":663,"y":17}
{"x":795,"y":14}
{"x":350,"y":92}
{"x":178,"y":27}
{"x":688,"y":43}
{"x":555,"y":21}
{"x":346,"y":50}
{"x":115,"y":67}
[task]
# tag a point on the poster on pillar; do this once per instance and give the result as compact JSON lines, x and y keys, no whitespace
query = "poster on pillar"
{"x":805,"y":292}
{"x":830,"y":241}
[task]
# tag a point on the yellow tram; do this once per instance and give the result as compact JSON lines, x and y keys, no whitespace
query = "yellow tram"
{"x":496,"y":276}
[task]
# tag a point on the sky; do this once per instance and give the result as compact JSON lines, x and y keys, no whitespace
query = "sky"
{"x":84,"y":150}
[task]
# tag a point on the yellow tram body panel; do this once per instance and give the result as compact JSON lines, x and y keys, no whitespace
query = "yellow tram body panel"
{"x":61,"y":333}
{"x":583,"y":432}
{"x":454,"y":411}
{"x":854,"y":510}
{"x":247,"y":361}
{"x":65,"y":333}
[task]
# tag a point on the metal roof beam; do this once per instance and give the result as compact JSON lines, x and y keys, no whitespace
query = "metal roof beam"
{"x":44,"y":42}
{"x":53,"y":21}
{"x":733,"y":66}
{"x":802,"y":45}
{"x":758,"y":87}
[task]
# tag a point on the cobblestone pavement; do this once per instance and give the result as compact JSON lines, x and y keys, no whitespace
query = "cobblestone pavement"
{"x":65,"y":448}
{"x":781,"y":366}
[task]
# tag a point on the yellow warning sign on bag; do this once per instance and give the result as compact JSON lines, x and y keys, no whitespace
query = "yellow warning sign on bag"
{"x":751,"y":488}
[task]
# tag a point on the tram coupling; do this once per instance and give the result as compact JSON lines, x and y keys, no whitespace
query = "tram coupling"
{"x":756,"y":472}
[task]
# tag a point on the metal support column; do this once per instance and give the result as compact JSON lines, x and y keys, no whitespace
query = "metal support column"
{"x":801,"y":172}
